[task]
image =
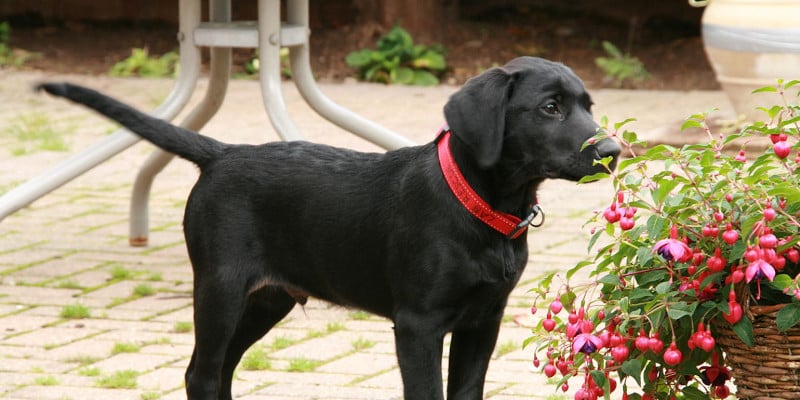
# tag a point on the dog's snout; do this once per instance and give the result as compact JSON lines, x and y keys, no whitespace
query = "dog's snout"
{"x":608,"y":147}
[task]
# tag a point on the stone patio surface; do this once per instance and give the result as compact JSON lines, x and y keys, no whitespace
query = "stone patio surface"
{"x":85,"y":316}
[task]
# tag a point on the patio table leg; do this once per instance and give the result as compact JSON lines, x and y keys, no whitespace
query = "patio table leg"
{"x":297,"y":14}
{"x":120,"y":140}
{"x":219,"y":74}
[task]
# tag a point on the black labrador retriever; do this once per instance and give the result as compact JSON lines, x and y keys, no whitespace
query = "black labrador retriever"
{"x":432,"y":237}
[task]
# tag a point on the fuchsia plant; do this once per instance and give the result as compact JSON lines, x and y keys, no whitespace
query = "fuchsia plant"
{"x":692,"y":237}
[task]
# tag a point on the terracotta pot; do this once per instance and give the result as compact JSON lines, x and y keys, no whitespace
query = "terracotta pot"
{"x":751,"y":44}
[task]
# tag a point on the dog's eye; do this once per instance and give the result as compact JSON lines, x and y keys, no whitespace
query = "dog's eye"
{"x":551,"y":108}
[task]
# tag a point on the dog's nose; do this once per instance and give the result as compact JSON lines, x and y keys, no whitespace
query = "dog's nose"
{"x":608,"y":147}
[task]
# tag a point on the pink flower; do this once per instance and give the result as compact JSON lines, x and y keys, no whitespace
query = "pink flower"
{"x":673,"y":249}
{"x":759,"y":269}
{"x":586,"y":343}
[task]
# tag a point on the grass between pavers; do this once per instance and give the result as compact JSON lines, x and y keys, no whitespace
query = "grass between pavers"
{"x":34,"y":132}
{"x":506,"y":347}
{"x":183,"y":327}
{"x":258,"y":356}
{"x":124,"y":379}
{"x":24,"y":266}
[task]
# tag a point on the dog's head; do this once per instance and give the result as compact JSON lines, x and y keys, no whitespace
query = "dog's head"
{"x":529,"y":118}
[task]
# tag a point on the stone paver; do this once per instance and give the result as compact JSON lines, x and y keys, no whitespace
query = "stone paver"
{"x":70,"y":249}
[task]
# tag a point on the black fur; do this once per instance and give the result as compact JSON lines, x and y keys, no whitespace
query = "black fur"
{"x":267,"y":226}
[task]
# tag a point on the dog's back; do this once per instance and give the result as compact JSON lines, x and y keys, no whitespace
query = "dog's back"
{"x":332,"y":211}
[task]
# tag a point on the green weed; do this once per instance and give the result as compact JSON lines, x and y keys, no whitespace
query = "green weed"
{"x":255,"y":360}
{"x":150,"y":396}
{"x":505,"y":348}
{"x":9,"y":56}
{"x":183,"y":327}
{"x":46,"y":380}
{"x":140,"y":63}
{"x":620,"y":67}
{"x":282,"y":343}
{"x":34,"y":132}
{"x":398,"y":60}
{"x":119,"y":273}
{"x":125,"y":379}
{"x":143,"y":290}
{"x":302,"y":365}
{"x":358,"y":315}
{"x":125,"y":348}
{"x":75,"y":311}
{"x":362,"y":344}
{"x":93,"y":371}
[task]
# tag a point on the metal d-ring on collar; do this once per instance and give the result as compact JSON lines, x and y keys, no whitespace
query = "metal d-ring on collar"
{"x":529,"y":220}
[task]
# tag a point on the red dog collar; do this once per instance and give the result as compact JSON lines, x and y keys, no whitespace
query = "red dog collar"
{"x":509,"y":225}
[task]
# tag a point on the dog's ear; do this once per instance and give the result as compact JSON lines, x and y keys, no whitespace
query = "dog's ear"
{"x":476,"y":114}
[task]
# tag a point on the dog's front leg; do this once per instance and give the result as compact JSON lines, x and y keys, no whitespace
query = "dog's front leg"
{"x":419,"y":352}
{"x":470,"y":351}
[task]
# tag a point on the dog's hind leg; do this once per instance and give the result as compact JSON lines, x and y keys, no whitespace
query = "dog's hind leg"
{"x":218,"y":307}
{"x":264,"y":309}
{"x":470,"y":351}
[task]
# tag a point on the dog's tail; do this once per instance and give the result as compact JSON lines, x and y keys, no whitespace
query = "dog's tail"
{"x":185,"y":143}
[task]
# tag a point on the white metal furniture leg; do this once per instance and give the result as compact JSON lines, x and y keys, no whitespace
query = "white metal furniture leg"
{"x":219,"y":74}
{"x":140,"y":196}
{"x":269,"y":57}
{"x":87,"y":159}
{"x":297,"y":14}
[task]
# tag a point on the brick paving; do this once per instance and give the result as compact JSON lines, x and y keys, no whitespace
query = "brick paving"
{"x":85,"y":316}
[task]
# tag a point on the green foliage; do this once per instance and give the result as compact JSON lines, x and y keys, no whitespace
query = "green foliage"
{"x":362,"y":344}
{"x":75,"y":311}
{"x":34,"y":132}
{"x":140,"y":63}
{"x":707,"y":228}
{"x":253,"y":65}
{"x":256,"y":359}
{"x":398,"y":60}
{"x":183,"y":327}
{"x":620,"y":67}
{"x":48,"y":380}
{"x":143,"y":290}
{"x":9,"y":56}
{"x":302,"y":365}
{"x":124,"y":379}
{"x":505,"y":348}
{"x":125,"y":348}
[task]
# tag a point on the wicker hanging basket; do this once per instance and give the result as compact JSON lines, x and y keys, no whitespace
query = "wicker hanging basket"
{"x":770,"y":370}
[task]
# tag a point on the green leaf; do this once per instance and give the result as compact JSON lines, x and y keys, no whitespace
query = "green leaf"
{"x":598,"y":377}
{"x":358,"y":59}
{"x":663,"y":287}
{"x":693,"y":393}
{"x":691,"y":123}
{"x":781,"y":282}
{"x":633,"y":368}
{"x":665,"y":186}
{"x":679,"y":310}
{"x":744,"y":329}
{"x":624,"y":122}
{"x":404,"y":76}
{"x":425,"y":78}
{"x":579,"y":266}
{"x":788,"y":316}
{"x":770,"y":89}
{"x":610,"y":280}
{"x":595,"y":177}
{"x":430,"y":60}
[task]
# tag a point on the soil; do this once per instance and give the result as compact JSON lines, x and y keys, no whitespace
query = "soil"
{"x":670,"y":49}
